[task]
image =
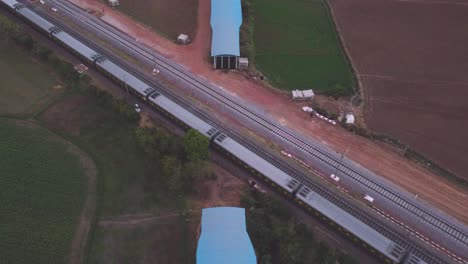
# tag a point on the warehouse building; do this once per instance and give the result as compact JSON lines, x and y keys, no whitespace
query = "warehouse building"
{"x":224,"y":238}
{"x":226,"y":19}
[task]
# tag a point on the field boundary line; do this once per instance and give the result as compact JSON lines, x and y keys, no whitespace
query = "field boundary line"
{"x":391,"y":78}
{"x":432,"y":2}
{"x":80,"y":238}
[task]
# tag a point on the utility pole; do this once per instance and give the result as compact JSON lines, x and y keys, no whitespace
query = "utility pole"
{"x":341,"y":158}
{"x":125,"y":84}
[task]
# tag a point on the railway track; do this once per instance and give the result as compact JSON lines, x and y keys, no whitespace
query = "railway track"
{"x":278,"y":130}
{"x":377,"y":225}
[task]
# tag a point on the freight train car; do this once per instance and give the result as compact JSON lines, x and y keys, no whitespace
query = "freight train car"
{"x":35,"y":19}
{"x":386,"y":249}
{"x":75,"y":45}
{"x":181,"y":115}
{"x":124,"y":78}
{"x":12,"y":4}
{"x":284,"y":183}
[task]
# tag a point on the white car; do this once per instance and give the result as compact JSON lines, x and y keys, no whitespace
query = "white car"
{"x":369,"y":198}
{"x":137,"y":108}
{"x":335,"y":178}
{"x":54,"y":9}
{"x":42,"y":1}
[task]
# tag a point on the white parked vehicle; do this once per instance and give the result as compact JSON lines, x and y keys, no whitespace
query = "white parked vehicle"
{"x":369,"y":198}
{"x":334,"y":177}
{"x":54,"y":9}
{"x":42,"y":1}
{"x":137,"y":108}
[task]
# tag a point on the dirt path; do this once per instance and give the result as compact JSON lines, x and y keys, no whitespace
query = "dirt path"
{"x":129,"y":221}
{"x":378,"y":157}
{"x":76,"y":254}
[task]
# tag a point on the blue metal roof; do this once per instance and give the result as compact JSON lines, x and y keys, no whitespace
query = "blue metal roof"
{"x":224,"y":237}
{"x":226,"y":19}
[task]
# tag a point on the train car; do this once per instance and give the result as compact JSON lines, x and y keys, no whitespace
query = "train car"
{"x":76,"y":46}
{"x":181,"y":115}
{"x":412,"y":259}
{"x":36,"y":19}
{"x":126,"y":79}
{"x":12,"y":4}
{"x":250,"y":160}
{"x":378,"y":244}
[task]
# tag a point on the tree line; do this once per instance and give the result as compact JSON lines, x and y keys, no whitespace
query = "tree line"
{"x":279,"y":238}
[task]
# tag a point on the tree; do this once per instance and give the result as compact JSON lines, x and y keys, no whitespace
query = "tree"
{"x":196,"y":146}
{"x":171,"y":169}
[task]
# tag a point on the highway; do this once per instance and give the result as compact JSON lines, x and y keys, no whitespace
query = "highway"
{"x":322,"y":158}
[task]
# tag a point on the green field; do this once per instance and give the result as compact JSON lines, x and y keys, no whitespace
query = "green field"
{"x":124,"y":169}
{"x":296,"y":46}
{"x":42,"y":189}
{"x":26,"y":88}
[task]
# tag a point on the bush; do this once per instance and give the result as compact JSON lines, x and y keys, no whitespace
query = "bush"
{"x":278,"y":237}
{"x":125,"y":110}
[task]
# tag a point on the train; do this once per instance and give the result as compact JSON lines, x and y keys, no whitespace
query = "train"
{"x":384,"y":248}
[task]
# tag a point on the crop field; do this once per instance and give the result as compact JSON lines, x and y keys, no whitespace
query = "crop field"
{"x":123,"y":166}
{"x":25,"y":88}
{"x":168,"y":17}
{"x":42,"y":189}
{"x":411,"y":59}
{"x":296,"y":46}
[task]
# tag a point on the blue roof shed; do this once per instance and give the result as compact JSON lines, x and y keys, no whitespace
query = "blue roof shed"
{"x":226,"y":19}
{"x":224,"y":238}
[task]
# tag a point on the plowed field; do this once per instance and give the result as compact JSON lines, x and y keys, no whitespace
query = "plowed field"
{"x":411,"y":58}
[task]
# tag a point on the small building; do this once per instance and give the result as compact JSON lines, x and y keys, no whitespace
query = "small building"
{"x":183,"y":39}
{"x":304,"y":95}
{"x":226,"y":19}
{"x":243,"y":63}
{"x":113,"y":3}
{"x":224,"y":238}
{"x":349,"y":119}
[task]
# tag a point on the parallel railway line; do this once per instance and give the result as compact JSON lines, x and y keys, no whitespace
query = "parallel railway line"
{"x":285,"y":134}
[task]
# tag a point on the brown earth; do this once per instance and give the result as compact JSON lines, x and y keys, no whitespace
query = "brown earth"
{"x":411,"y":59}
{"x":166,"y":17}
{"x":378,"y":157}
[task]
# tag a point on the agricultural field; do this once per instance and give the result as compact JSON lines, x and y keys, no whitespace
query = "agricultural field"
{"x":42,"y":192}
{"x":124,"y":169}
{"x":158,"y":241}
{"x":26,"y":88}
{"x":168,"y":17}
{"x":296,"y":47}
{"x":130,"y":184}
{"x":411,"y":59}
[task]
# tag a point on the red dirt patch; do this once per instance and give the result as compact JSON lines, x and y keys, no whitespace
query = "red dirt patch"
{"x":67,"y":115}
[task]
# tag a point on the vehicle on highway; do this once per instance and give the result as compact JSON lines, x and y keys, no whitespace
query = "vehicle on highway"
{"x":386,"y":249}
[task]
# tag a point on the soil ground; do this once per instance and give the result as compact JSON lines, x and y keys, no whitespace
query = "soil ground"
{"x":411,"y":59}
{"x":378,"y":157}
{"x":169,"y":18}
